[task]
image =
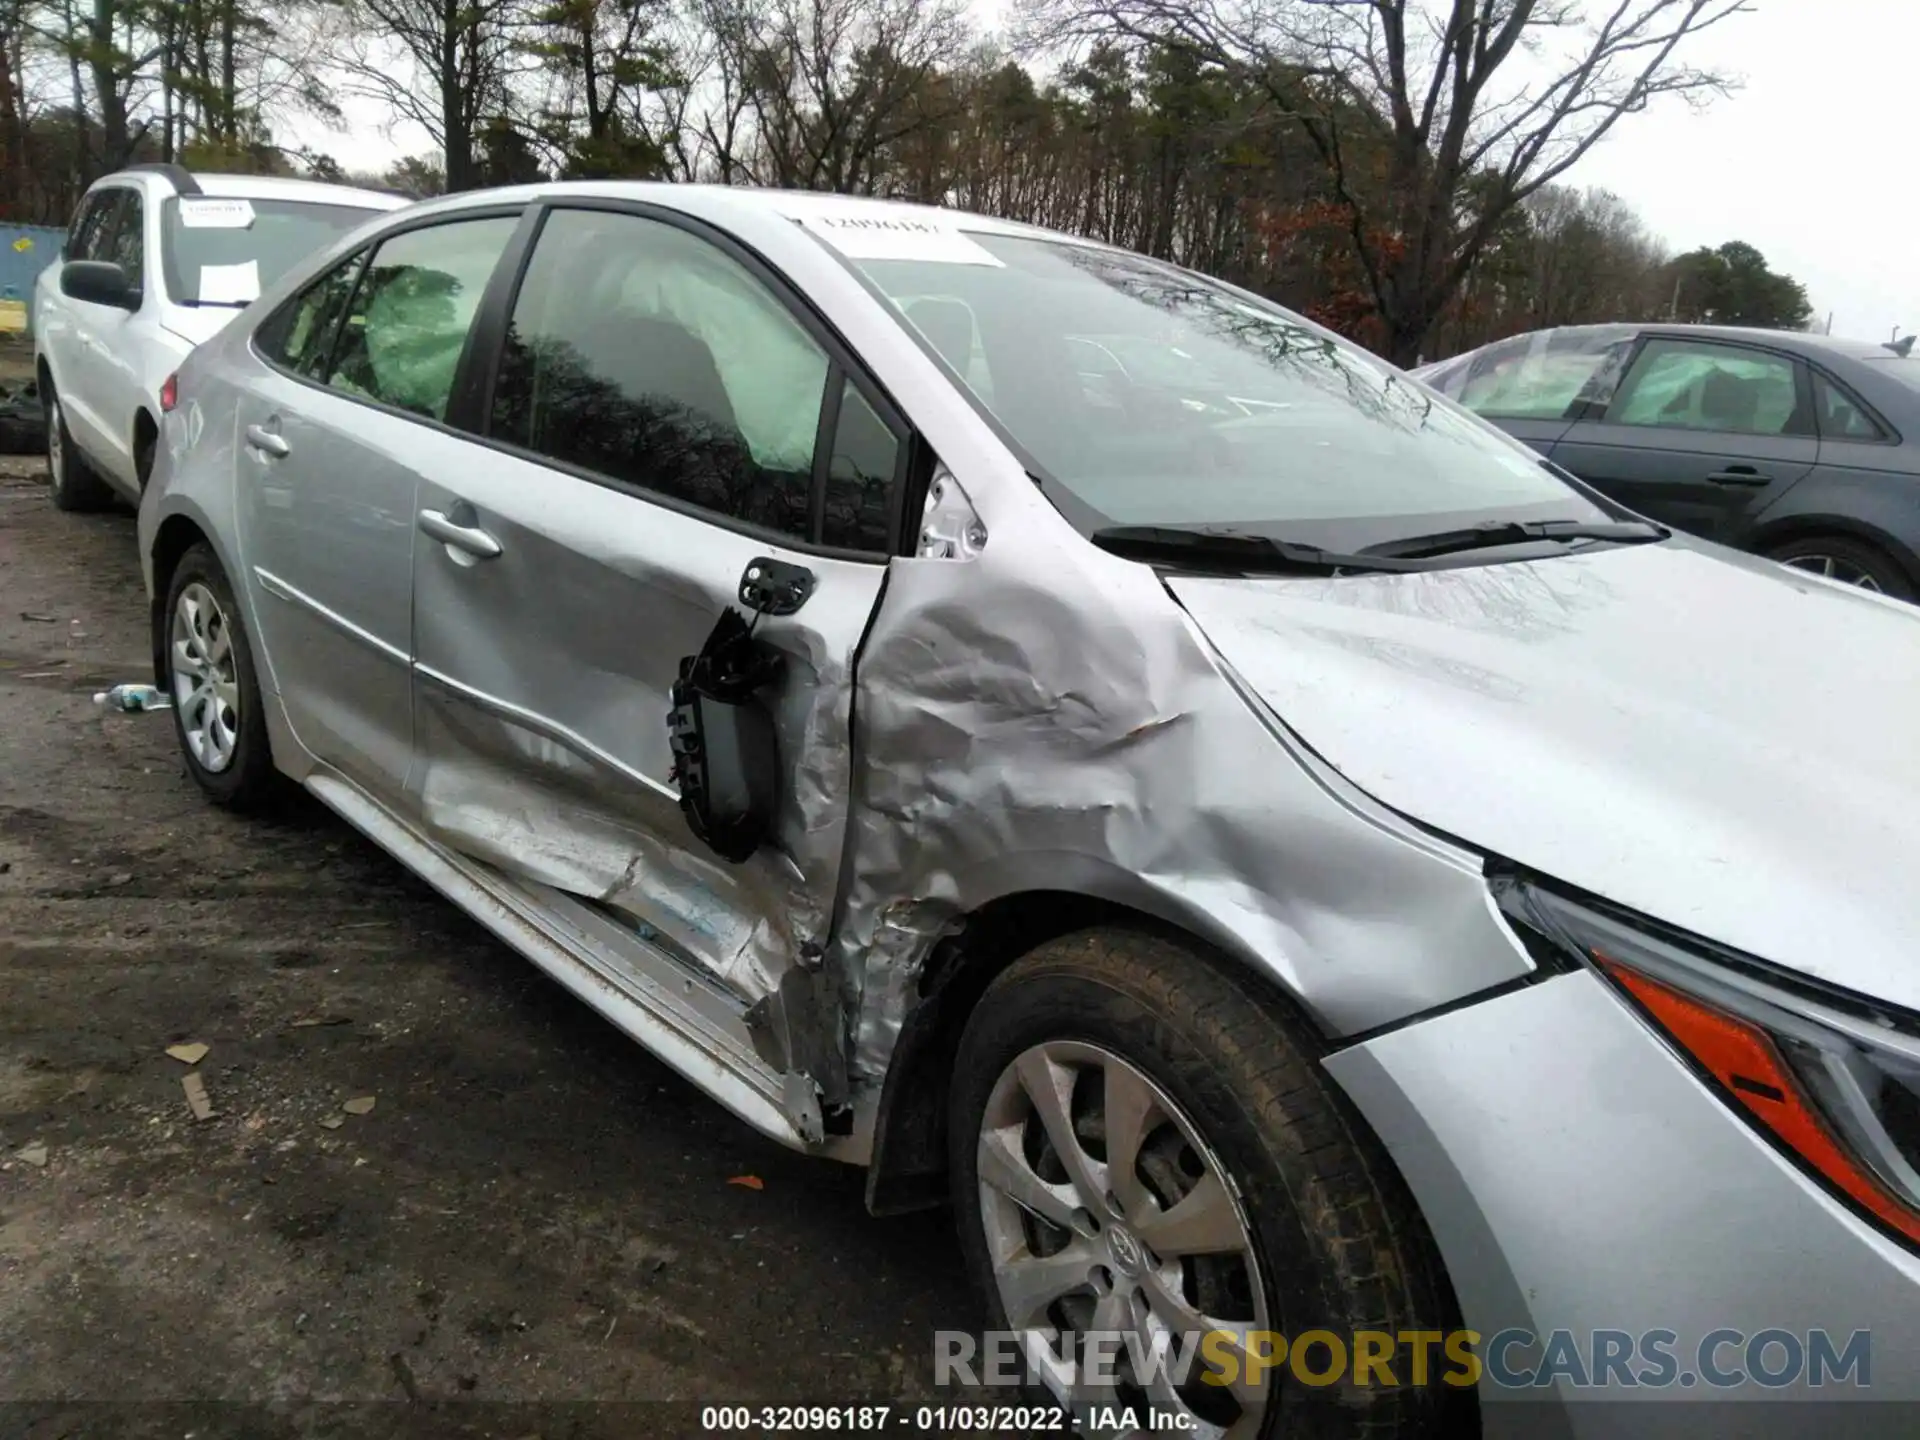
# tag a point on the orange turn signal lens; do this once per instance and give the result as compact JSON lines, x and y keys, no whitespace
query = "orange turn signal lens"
{"x":1745,"y":1059}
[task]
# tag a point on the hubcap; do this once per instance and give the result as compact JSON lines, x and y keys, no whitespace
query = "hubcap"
{"x":1105,"y":1212}
{"x":1844,"y":571}
{"x":206,"y":688}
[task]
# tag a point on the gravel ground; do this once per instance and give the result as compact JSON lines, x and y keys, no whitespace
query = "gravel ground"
{"x":534,"y":1213}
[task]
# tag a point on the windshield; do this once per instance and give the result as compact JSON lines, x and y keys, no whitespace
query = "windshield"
{"x":1144,"y":395}
{"x":221,"y":250}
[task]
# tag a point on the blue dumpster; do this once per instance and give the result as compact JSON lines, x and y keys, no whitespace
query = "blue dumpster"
{"x":25,"y":250}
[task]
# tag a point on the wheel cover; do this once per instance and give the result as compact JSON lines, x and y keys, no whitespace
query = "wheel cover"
{"x":206,"y":687}
{"x":1834,"y":568}
{"x":55,"y":451}
{"x":1104,"y":1209}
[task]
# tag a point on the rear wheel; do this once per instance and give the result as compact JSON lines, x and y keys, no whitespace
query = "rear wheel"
{"x":217,"y":710}
{"x":1143,"y":1143}
{"x":75,"y":487}
{"x":1850,"y":561}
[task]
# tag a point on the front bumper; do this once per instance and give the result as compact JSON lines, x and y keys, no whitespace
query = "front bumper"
{"x":1578,"y":1178}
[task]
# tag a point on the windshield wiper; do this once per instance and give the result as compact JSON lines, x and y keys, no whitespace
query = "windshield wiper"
{"x":1238,"y":550}
{"x":1515,"y":532}
{"x":219,"y":304}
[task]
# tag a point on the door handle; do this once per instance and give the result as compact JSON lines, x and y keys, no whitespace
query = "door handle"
{"x":1739,"y":475}
{"x":266,"y":442}
{"x":469,"y":538}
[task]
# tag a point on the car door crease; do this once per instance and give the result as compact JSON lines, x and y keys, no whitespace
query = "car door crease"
{"x":281,"y":590}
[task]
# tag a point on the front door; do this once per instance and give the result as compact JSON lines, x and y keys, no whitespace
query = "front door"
{"x":1699,"y":435}
{"x":660,"y":421}
{"x":331,"y":446}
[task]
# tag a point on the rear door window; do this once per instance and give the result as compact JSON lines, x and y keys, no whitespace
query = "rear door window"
{"x":301,"y":333}
{"x":1693,"y":385}
{"x":411,"y":311}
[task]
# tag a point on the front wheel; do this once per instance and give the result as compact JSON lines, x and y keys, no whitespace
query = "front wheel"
{"x":217,"y":710}
{"x":1143,"y":1146}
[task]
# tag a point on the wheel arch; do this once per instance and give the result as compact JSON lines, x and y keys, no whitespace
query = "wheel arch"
{"x":145,"y":427}
{"x":177,"y":534}
{"x":1817,"y":523}
{"x":907,"y":1169}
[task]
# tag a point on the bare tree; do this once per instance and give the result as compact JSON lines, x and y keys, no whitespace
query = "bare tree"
{"x":833,"y":84}
{"x":1435,"y":119}
{"x":443,"y":64}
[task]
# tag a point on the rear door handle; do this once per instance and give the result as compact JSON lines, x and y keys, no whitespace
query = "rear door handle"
{"x":1739,"y":475}
{"x":266,"y":442}
{"x":469,"y":538}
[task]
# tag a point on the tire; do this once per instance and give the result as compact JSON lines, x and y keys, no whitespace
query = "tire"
{"x":1853,"y":562}
{"x":1328,"y":1236}
{"x":74,"y":486}
{"x":218,"y":715}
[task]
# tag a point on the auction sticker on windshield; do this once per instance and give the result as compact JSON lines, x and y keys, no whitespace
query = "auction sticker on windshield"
{"x":203,"y":213}
{"x":872,"y":236}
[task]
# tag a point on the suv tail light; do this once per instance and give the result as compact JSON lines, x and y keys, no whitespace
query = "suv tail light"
{"x":169,"y":392}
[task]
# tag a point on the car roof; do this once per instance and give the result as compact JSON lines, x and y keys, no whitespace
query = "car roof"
{"x":713,"y":201}
{"x":262,"y":187}
{"x":1804,"y":341}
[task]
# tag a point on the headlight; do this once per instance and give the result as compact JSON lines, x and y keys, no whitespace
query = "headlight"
{"x":1832,"y":1079}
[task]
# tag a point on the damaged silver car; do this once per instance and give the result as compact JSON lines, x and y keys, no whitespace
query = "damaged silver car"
{"x":1084,"y":743}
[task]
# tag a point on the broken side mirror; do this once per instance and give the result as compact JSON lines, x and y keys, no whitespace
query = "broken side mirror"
{"x":726,"y":760}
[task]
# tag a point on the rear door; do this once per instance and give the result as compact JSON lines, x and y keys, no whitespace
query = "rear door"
{"x":334,"y":435}
{"x":664,"y":417}
{"x":1699,"y":434}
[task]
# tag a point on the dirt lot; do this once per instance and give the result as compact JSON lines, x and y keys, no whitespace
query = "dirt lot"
{"x":533,"y":1211}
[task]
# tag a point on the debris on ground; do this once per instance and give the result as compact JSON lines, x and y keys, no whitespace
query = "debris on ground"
{"x":309,"y":1022}
{"x":748,"y":1182}
{"x":358,"y":1105}
{"x":39,"y":619}
{"x":332,"y":1122}
{"x":34,"y":1155}
{"x":189,"y":1054}
{"x":23,"y":420}
{"x":197,"y":1100}
{"x":133,"y":698}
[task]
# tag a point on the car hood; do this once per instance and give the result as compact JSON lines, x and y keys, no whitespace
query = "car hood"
{"x":1710,"y":739}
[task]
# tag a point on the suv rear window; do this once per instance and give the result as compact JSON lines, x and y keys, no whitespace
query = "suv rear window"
{"x":224,"y":250}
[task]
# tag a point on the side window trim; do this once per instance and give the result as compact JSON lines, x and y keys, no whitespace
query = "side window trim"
{"x":359,"y":262}
{"x":368,"y":250}
{"x":1884,"y":434}
{"x":495,"y":315}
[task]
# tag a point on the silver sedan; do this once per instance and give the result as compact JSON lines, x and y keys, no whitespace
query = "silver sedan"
{"x":1355,"y":921}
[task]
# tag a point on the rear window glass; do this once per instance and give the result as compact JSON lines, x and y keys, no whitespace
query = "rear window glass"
{"x":224,"y":250}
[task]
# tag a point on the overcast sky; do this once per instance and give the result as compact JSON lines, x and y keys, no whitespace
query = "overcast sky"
{"x":1807,"y":160}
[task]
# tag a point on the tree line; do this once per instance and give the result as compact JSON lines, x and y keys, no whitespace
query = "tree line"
{"x":1393,"y":168}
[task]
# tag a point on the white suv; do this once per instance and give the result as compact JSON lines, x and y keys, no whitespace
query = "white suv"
{"x":156,"y":262}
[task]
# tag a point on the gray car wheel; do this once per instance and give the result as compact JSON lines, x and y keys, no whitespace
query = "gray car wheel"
{"x":1851,"y":562}
{"x":73,"y":485}
{"x":209,"y":675}
{"x":1142,"y":1142}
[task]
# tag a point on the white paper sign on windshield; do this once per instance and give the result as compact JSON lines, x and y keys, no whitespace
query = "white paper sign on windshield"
{"x":203,"y":212}
{"x":230,"y":284}
{"x":875,"y":235}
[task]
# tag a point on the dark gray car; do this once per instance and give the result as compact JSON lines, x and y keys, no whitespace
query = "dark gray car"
{"x":1803,"y":448}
